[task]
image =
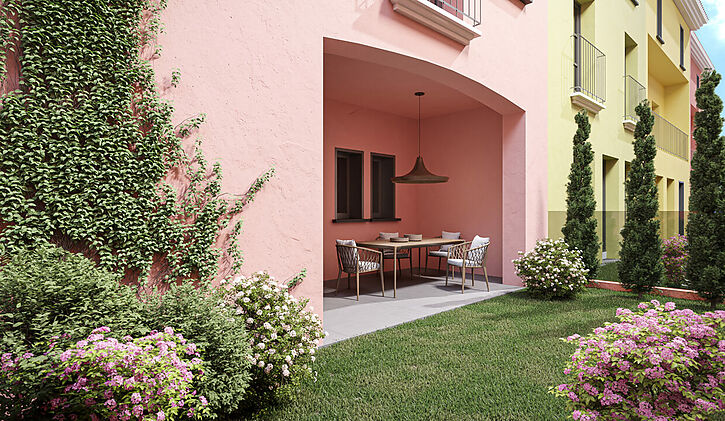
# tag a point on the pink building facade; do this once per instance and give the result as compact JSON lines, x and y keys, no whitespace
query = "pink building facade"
{"x":288,"y":83}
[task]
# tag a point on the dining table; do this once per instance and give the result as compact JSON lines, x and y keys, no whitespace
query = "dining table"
{"x":410,"y":244}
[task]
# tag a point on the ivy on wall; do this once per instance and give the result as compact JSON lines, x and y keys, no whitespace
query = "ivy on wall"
{"x":88,"y":152}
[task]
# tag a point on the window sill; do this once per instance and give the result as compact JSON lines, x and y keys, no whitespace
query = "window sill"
{"x":585,"y":101}
{"x":338,"y":221}
{"x":437,"y":19}
{"x":629,"y":125}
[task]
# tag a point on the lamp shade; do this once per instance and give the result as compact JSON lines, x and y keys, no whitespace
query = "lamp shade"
{"x":419,"y":175}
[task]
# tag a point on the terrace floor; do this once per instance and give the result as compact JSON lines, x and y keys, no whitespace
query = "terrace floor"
{"x":344,"y":317}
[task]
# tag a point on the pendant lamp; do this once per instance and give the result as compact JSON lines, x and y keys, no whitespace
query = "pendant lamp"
{"x":419,"y":174}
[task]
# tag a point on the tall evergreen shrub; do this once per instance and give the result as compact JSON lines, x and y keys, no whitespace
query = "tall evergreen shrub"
{"x":706,"y":227}
{"x":580,"y":230}
{"x":640,"y":268}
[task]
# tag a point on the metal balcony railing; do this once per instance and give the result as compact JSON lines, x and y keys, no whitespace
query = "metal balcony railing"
{"x":634,"y":94}
{"x":466,"y":10}
{"x":590,"y":69}
{"x":670,"y":139}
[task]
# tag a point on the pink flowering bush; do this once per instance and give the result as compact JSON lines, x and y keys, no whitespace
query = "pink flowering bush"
{"x":674,"y":257}
{"x":148,"y":378}
{"x":283,"y":335}
{"x":657,"y":363}
{"x":552,"y":270}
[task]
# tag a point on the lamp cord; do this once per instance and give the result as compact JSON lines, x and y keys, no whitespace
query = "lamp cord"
{"x":418,"y":126}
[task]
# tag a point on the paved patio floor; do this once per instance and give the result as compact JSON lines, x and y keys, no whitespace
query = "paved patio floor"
{"x":344,"y":317}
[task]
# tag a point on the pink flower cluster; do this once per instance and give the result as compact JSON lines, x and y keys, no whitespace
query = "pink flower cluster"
{"x":145,"y":378}
{"x":657,"y":363}
{"x":675,"y":257}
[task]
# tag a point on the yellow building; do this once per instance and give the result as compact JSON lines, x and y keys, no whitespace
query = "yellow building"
{"x":606,"y":56}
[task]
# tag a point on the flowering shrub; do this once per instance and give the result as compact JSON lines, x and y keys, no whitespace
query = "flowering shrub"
{"x":48,"y":294}
{"x":283,"y":335}
{"x":656,"y":363}
{"x":551,"y":269}
{"x":148,"y":378}
{"x":197,"y":314}
{"x":674,"y":257}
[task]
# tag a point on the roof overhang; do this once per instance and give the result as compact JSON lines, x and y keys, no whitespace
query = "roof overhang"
{"x":699,"y":54}
{"x":693,"y":12}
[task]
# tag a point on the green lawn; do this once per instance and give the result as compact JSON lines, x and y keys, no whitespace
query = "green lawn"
{"x":493,"y":360}
{"x":608,"y":272}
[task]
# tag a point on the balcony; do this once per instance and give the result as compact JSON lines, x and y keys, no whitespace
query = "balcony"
{"x":671,"y":139}
{"x":590,"y":75}
{"x":456,"y":19}
{"x":634,"y":94}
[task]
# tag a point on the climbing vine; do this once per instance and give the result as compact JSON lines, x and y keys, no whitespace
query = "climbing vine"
{"x":89,"y":158}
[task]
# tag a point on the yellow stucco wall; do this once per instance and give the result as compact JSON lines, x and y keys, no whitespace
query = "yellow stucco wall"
{"x":605,"y":23}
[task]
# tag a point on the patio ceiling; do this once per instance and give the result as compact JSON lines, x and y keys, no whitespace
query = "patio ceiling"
{"x":389,"y":90}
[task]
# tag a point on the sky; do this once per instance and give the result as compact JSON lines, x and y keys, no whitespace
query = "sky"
{"x":712,"y":37}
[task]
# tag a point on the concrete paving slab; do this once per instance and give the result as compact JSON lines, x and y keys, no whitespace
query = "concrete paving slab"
{"x":345,"y":318}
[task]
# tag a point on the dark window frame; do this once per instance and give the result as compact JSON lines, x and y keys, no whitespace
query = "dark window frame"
{"x":681,"y":213}
{"x":381,"y":215}
{"x":349,"y":216}
{"x":682,"y":48}
{"x":659,"y":22}
{"x":698,"y":81}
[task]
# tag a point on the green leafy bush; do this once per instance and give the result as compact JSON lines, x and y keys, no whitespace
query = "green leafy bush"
{"x":201,"y":318}
{"x":674,"y":258}
{"x":48,"y":294}
{"x":552,"y":269}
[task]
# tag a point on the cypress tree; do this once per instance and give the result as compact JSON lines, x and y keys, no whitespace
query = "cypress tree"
{"x":706,"y":227}
{"x":580,"y":230}
{"x":641,"y":268}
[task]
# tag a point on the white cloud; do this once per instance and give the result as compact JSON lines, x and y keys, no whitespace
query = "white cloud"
{"x":716,"y":12}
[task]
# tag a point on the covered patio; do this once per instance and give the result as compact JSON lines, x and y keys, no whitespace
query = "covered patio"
{"x":374,"y":128}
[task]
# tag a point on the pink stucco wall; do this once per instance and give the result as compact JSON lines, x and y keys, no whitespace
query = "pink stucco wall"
{"x":255,"y":69}
{"x":351,"y":127}
{"x":466,"y":146}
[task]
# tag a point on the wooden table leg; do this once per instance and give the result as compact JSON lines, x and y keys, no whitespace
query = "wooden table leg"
{"x":395,"y":272}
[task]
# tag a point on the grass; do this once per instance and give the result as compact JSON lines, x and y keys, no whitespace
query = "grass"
{"x":608,"y":272}
{"x":493,"y":360}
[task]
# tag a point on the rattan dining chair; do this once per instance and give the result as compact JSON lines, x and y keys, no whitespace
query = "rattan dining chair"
{"x":442,"y":252}
{"x":353,"y":259}
{"x":469,"y":255}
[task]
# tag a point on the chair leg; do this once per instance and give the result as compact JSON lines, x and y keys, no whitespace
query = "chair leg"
{"x":473,"y":278}
{"x":485,"y":274}
{"x":337,"y":286}
{"x":357,"y":284}
{"x":426,"y":261}
{"x":463,"y":279}
{"x":382,"y":281}
{"x":410,"y":260}
{"x":348,"y":281}
{"x":439,"y":264}
{"x":447,"y":269}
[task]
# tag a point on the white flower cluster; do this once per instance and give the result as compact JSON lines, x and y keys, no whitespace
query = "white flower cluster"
{"x":283,"y":334}
{"x":552,"y":269}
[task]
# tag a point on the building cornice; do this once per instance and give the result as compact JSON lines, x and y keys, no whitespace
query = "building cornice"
{"x":693,"y":12}
{"x":699,"y":54}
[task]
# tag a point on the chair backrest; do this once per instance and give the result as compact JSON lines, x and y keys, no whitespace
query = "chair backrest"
{"x":449,"y":236}
{"x":479,"y":250}
{"x":347,"y":255}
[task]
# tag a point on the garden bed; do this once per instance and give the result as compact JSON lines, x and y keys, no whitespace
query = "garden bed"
{"x":684,"y":294}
